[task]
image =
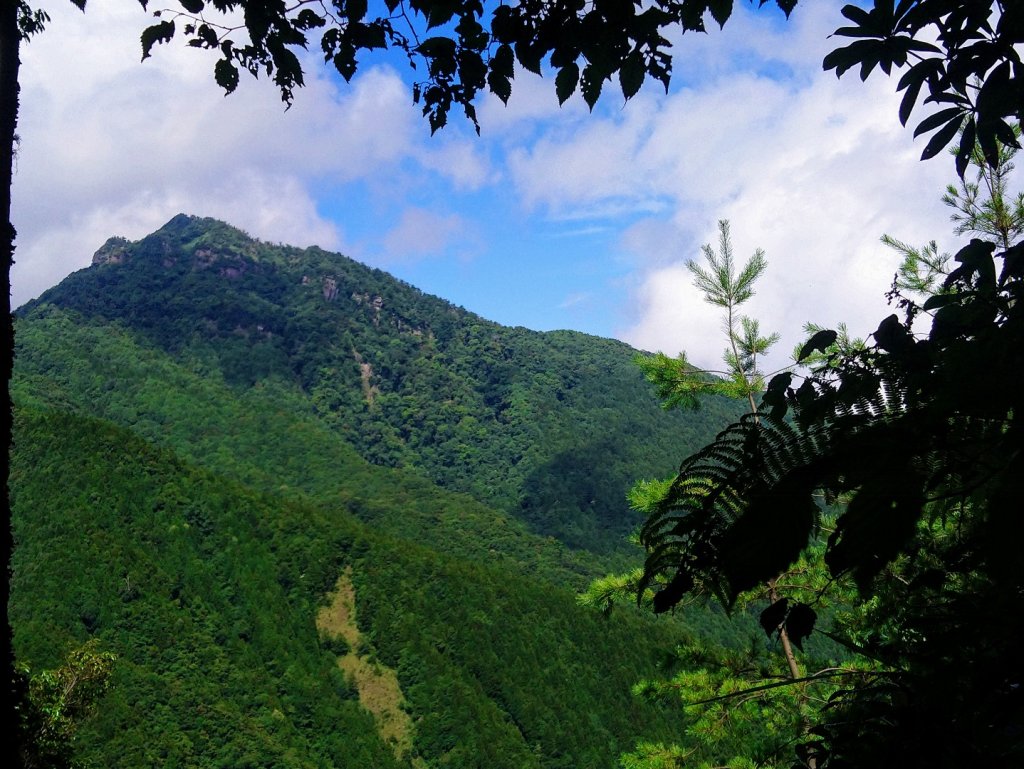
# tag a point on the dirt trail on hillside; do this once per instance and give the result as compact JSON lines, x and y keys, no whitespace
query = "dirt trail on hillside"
{"x":376,"y":683}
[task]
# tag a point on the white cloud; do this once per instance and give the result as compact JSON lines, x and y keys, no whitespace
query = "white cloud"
{"x":673,"y":316}
{"x":811,"y":168}
{"x":575,"y":299}
{"x":114,"y":146}
{"x":421,"y":234}
{"x":533,"y":101}
{"x":277,"y":210}
{"x":462,"y":161}
{"x":816,"y":191}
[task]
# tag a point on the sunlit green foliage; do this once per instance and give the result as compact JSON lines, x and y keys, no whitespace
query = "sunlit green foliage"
{"x":727,"y":285}
{"x":983,"y":206}
{"x":982,"y":203}
{"x":58,"y":702}
{"x":923,"y":269}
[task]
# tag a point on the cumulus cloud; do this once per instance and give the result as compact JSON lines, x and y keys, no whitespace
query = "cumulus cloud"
{"x":811,"y":168}
{"x":463,"y":163}
{"x":277,"y":210}
{"x":114,"y":146}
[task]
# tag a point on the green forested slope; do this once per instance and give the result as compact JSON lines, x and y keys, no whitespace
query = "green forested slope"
{"x":212,"y":429}
{"x":551,"y":428}
{"x":268,"y":438}
{"x":196,"y":585}
{"x":207,"y":592}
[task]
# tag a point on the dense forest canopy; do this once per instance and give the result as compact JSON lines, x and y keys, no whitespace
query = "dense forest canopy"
{"x":206,"y":592}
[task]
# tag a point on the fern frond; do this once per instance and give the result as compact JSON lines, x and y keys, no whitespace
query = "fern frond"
{"x":715,"y":493}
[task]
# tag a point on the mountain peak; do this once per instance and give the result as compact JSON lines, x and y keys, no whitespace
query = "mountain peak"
{"x":114,"y":251}
{"x":181,"y":230}
{"x":185,"y":231}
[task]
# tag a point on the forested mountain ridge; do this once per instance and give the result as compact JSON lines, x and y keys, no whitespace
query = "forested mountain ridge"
{"x":551,"y":428}
{"x":212,"y":430}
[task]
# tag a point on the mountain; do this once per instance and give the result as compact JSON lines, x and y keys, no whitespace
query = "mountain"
{"x":551,"y":428}
{"x":324,"y":519}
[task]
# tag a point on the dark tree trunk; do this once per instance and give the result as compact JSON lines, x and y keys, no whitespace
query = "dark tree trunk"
{"x":9,"y":63}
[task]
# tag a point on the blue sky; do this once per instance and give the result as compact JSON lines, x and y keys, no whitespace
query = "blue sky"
{"x":553,"y":218}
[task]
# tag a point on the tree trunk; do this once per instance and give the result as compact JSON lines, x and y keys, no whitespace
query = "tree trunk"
{"x":787,"y":647}
{"x":9,"y":63}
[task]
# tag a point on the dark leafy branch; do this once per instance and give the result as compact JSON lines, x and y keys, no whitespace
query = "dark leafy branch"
{"x":785,"y":682}
{"x":467,"y":48}
{"x":892,"y":426}
{"x":922,"y":438}
{"x":464,"y":48}
{"x":973,"y":71}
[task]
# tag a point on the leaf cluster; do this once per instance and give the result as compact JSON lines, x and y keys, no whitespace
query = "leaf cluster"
{"x":738,"y":705}
{"x":676,"y":382}
{"x":983,"y":206}
{"x":723,"y":284}
{"x":922,"y":270}
{"x":59,"y":702}
{"x":32,"y":21}
{"x":963,"y":55}
{"x":464,"y":48}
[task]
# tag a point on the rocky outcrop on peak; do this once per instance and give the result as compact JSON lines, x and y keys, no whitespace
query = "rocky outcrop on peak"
{"x":114,"y":251}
